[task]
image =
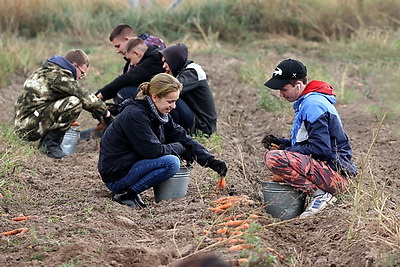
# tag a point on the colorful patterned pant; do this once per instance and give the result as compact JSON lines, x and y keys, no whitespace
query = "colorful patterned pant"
{"x":303,"y":172}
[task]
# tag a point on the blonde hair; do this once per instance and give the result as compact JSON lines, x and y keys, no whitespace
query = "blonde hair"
{"x":77,"y":56}
{"x":160,"y":85}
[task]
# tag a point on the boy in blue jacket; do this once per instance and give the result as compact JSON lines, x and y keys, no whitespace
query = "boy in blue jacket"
{"x":318,"y":158}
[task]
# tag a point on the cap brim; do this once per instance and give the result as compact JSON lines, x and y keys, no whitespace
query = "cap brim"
{"x":276,"y":84}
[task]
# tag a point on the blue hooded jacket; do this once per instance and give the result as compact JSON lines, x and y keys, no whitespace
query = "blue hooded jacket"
{"x":318,"y":131}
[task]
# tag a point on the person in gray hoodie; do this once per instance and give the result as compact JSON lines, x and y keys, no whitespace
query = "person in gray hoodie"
{"x":195,"y":109}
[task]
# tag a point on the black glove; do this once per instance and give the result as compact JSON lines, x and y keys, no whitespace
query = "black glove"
{"x":177,"y":148}
{"x":218,"y":166}
{"x":270,"y":139}
{"x":188,"y":156}
{"x":113,"y":108}
{"x":97,"y":117}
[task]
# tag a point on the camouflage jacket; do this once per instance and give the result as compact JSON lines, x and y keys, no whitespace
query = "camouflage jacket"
{"x":54,"y":81}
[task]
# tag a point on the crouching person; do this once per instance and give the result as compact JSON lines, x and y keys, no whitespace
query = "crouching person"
{"x":52,"y":99}
{"x":144,"y":147}
{"x":318,"y":157}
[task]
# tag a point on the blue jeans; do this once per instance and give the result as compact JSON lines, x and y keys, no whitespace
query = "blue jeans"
{"x":183,"y":116}
{"x":147,"y":173}
{"x":125,"y":93}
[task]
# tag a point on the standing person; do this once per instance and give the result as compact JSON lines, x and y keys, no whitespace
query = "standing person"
{"x":148,"y":65}
{"x":143,"y":146}
{"x":52,"y":99}
{"x":195,"y":109}
{"x":318,"y":157}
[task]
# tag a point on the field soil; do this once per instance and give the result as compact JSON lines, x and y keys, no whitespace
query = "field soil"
{"x":75,"y":222}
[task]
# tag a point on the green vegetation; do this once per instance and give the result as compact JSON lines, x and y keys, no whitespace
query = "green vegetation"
{"x":352,"y":44}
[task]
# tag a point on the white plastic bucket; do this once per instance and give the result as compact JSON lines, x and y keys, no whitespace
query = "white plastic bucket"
{"x":174,"y":187}
{"x":70,"y":140}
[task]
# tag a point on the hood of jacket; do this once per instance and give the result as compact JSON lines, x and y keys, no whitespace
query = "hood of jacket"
{"x":176,"y":56}
{"x":320,"y":87}
{"x":63,"y":63}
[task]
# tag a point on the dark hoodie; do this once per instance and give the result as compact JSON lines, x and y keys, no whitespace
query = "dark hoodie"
{"x":318,"y":131}
{"x":196,"y":92}
{"x":63,"y":63}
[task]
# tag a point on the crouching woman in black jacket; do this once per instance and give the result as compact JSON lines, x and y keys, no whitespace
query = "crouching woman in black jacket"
{"x":143,"y":146}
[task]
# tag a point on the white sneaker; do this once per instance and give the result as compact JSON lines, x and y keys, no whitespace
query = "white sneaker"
{"x":318,"y":203}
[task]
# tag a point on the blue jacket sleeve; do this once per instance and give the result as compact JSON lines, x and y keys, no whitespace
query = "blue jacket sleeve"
{"x":318,"y":144}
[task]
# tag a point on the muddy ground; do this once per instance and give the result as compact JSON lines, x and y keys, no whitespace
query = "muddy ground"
{"x":75,"y":222}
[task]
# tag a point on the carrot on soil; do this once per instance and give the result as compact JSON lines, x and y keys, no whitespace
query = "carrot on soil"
{"x":233,"y":223}
{"x":279,"y":255}
{"x":16,"y":232}
{"x":240,"y":247}
{"x":21,"y":218}
{"x":221,"y":230}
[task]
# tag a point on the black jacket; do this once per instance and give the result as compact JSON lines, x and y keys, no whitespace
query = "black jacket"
{"x":148,"y":66}
{"x":196,"y":92}
{"x":137,"y":134}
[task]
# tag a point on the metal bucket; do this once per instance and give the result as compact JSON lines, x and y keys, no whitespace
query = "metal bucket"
{"x":70,"y":140}
{"x":282,"y":200}
{"x":174,"y":187}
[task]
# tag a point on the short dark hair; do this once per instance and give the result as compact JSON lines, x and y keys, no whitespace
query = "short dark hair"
{"x":77,"y":56}
{"x":122,"y":30}
{"x":135,"y":42}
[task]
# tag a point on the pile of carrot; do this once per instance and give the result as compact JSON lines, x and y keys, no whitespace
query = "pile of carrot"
{"x":224,"y":203}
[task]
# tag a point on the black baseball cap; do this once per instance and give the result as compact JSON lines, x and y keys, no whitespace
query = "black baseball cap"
{"x":289,"y":69}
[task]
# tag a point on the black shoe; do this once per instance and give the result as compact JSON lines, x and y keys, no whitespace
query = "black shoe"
{"x":130,"y":199}
{"x":50,"y":144}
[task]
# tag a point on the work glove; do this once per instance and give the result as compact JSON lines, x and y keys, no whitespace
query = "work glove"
{"x":218,"y":166}
{"x":113,"y":108}
{"x":270,"y":139}
{"x":188,"y":157}
{"x":177,"y":148}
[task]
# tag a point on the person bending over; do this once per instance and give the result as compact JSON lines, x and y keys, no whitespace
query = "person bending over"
{"x":147,"y":64}
{"x":195,"y":109}
{"x":144,"y":147}
{"x":318,"y":157}
{"x":52,"y":99}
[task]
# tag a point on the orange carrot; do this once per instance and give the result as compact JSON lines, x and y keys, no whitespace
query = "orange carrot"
{"x":229,"y":218}
{"x":231,"y":233}
{"x":207,"y":232}
{"x":222,"y":230}
{"x":240,"y":247}
{"x":235,"y":241}
{"x":75,"y":123}
{"x":224,"y":206}
{"x":276,"y":253}
{"x":274,"y":147}
{"x":219,"y":239}
{"x":217,"y":210}
{"x":233,"y":223}
{"x":254,"y":216}
{"x":242,"y":227}
{"x":227,"y":199}
{"x":16,"y":232}
{"x":21,"y":218}
{"x":221,"y":184}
